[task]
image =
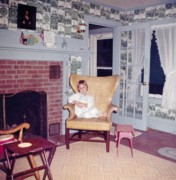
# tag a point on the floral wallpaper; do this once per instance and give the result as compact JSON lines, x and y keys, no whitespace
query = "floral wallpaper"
{"x":75,"y":64}
{"x":155,"y":110}
{"x":148,"y":14}
{"x":73,"y":67}
{"x":63,"y":16}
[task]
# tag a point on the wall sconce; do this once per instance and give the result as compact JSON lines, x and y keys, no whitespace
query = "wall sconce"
{"x":81,"y":27}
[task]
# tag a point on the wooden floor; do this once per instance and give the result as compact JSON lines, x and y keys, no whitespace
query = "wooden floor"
{"x":149,"y":141}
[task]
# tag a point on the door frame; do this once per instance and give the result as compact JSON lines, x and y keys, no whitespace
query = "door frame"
{"x":161,"y":124}
{"x":118,"y":119}
{"x":107,"y":23}
{"x":93,"y":38}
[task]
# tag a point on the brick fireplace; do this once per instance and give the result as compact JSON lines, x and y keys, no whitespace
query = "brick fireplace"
{"x":21,"y":75}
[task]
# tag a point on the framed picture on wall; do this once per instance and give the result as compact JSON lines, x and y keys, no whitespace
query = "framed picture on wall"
{"x":26,"y":18}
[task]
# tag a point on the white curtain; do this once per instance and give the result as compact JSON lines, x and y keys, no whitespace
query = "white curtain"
{"x":137,"y":63}
{"x":166,"y":41}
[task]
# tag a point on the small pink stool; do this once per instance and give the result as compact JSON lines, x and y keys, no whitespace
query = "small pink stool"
{"x":124,"y":131}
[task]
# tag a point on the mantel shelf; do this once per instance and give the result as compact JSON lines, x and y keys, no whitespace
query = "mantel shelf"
{"x":42,"y":49}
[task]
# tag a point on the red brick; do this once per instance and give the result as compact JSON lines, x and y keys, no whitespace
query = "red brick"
{"x":36,"y":76}
{"x":38,"y":67}
{"x":11,"y":62}
{"x":16,"y":86}
{"x":5,"y":76}
{"x":20,"y":71}
{"x":11,"y":72}
{"x":32,"y":62}
{"x":6,"y":67}
{"x":44,"y":71}
{"x":25,"y":67}
{"x":2,"y":72}
{"x":20,"y":81}
{"x":24,"y":76}
{"x":31,"y":71}
{"x":21,"y":62}
{"x":16,"y":66}
{"x":7,"y":86}
{"x":10,"y":81}
{"x":28,"y":85}
{"x":3,"y":62}
{"x":43,"y":62}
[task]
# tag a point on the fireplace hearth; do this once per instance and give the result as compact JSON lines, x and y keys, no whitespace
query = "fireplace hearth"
{"x":25,"y":106}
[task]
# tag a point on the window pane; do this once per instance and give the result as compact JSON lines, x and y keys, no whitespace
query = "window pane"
{"x":104,"y":53}
{"x":104,"y":72}
{"x":157,"y":76}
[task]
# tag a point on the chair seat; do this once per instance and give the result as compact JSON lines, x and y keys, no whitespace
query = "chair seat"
{"x":94,"y":124}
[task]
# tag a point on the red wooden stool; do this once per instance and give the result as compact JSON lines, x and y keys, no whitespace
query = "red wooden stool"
{"x":124,"y":131}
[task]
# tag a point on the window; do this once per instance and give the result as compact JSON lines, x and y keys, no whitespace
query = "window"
{"x":157,"y":76}
{"x":104,"y":57}
{"x":101,"y":48}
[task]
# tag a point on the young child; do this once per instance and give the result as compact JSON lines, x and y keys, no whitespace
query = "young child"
{"x":84,"y":104}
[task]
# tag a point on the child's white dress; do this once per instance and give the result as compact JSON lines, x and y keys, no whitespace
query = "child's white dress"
{"x":87,"y":112}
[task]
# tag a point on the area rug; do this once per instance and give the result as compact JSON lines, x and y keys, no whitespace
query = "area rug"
{"x":168,"y":152}
{"x":90,"y":161}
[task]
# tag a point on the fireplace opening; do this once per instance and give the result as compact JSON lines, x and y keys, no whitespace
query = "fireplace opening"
{"x":25,"y":106}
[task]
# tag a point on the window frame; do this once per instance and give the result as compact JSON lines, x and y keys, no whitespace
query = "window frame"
{"x":150,"y":95}
{"x":93,"y":44}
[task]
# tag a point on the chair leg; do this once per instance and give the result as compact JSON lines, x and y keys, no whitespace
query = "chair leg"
{"x":105,"y":135}
{"x":67,"y":138}
{"x":107,"y":141}
{"x":80,"y":134}
{"x":131,"y":146}
{"x":118,"y":142}
{"x":118,"y":139}
{"x":33,"y":165}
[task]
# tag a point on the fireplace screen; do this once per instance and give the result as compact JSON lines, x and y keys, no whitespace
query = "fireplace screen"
{"x":25,"y":106}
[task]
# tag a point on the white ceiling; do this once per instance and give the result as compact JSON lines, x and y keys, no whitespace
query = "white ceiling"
{"x":130,"y":4}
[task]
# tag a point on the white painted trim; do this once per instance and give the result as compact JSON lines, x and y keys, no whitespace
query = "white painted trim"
{"x":101,"y":22}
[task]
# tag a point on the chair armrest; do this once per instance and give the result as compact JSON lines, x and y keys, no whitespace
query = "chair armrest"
{"x":71,"y":108}
{"x":16,"y":129}
{"x":111,"y":108}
